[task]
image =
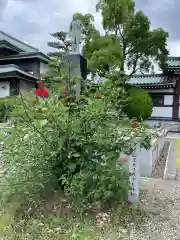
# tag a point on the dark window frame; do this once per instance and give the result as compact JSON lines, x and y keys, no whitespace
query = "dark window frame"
{"x":158,"y":100}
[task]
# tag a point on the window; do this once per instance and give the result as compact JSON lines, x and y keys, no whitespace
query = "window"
{"x":158,"y":100}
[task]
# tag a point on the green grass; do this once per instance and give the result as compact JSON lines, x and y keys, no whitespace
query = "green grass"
{"x":50,"y":227}
{"x":63,"y":224}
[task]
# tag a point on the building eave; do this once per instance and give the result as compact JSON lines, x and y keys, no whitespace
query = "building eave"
{"x":41,"y":56}
{"x":156,"y":86}
{"x":14,"y":41}
{"x":8,"y":45}
{"x":11,"y":70}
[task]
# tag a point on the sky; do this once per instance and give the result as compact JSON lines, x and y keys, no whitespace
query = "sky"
{"x":32,"y":21}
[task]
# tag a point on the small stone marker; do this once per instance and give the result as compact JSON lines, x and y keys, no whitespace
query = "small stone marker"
{"x":134,"y":177}
{"x":134,"y":171}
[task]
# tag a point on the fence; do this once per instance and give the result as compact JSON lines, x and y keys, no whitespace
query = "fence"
{"x":147,"y":157}
{"x":141,"y":164}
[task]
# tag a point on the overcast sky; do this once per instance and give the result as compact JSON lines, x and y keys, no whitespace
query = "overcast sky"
{"x":33,"y":20}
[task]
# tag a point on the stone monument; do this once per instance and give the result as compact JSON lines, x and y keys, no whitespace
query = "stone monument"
{"x":134,"y":177}
{"x":77,"y":63}
{"x":75,"y":32}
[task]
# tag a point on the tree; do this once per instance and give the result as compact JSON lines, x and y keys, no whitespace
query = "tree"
{"x":104,"y":54}
{"x":88,"y":23}
{"x":139,"y":104}
{"x":62,"y":44}
{"x":139,"y":46}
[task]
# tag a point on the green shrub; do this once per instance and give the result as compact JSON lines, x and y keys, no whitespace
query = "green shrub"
{"x":7,"y":106}
{"x":139,"y":104}
{"x":73,"y":147}
{"x":5,"y":109}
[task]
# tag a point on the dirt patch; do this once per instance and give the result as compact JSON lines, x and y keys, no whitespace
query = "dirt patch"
{"x":158,"y":171}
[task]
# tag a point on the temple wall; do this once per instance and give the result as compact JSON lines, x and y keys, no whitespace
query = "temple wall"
{"x":4,"y":89}
{"x":163,"y":112}
{"x":166,"y":110}
{"x":30,"y":65}
{"x":44,"y":68}
{"x":25,"y":86}
{"x":168,"y":99}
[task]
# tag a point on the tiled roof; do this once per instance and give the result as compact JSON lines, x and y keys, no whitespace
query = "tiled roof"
{"x":19,"y":44}
{"x":12,"y":68}
{"x":152,"y":79}
{"x":26,"y":55}
{"x":173,"y":62}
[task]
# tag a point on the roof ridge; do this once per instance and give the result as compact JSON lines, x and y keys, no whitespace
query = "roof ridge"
{"x":26,"y":55}
{"x":9,"y":65}
{"x":13,"y":38}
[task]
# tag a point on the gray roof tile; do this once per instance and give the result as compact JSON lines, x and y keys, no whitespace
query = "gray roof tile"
{"x":11,"y":68}
{"x":173,"y":62}
{"x":16,"y":42}
{"x":152,"y":79}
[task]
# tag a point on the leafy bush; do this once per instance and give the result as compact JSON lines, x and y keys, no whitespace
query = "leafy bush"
{"x":71,"y":145}
{"x":6,"y":108}
{"x":139,"y":105}
{"x":75,"y":147}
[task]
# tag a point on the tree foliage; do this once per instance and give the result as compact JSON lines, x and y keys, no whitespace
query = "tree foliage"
{"x":89,"y":29}
{"x":62,"y":44}
{"x":137,"y":45}
{"x":139,"y":104}
{"x":107,"y":54}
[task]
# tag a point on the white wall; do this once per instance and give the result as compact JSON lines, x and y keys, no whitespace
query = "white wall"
{"x":168,"y":99}
{"x":24,"y":87}
{"x":162,"y":112}
{"x":44,"y":68}
{"x":4,"y":89}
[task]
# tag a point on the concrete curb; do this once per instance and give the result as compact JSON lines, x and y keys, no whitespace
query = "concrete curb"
{"x":166,"y":175}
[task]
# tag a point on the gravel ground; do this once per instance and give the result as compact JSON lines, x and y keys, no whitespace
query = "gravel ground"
{"x":158,"y":171}
{"x":162,"y":201}
{"x":161,"y":198}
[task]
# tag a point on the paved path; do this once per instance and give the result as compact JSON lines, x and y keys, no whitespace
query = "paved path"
{"x":161,"y":198}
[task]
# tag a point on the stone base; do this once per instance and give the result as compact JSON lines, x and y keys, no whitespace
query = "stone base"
{"x":76,"y":65}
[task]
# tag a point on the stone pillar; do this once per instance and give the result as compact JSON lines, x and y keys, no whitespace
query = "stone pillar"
{"x":134,"y":177}
{"x":134,"y":170}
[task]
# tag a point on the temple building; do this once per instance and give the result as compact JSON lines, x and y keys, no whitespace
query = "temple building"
{"x":164,"y":89}
{"x":20,"y":65}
